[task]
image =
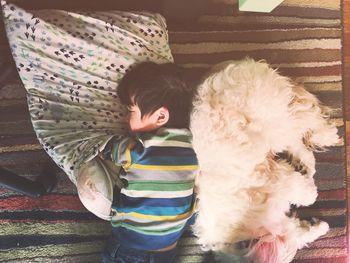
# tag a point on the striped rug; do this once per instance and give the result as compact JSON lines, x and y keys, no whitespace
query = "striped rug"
{"x":302,"y":38}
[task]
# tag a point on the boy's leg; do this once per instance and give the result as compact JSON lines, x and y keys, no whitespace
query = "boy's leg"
{"x":116,"y":253}
{"x":109,"y":254}
{"x":162,"y":257}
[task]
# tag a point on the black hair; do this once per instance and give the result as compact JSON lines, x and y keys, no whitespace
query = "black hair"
{"x":151,"y":86}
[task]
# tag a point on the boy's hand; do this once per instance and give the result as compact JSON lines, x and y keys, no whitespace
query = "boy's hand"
{"x":114,"y":171}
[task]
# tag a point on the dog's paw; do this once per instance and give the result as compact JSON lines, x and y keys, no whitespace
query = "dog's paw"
{"x":309,"y":231}
{"x":322,"y":226}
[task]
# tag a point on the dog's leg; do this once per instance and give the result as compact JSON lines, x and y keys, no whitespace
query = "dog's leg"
{"x":303,"y":159}
{"x":293,"y":187}
{"x":313,"y":120}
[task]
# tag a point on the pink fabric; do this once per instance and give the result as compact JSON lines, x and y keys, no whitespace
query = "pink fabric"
{"x":270,"y":249}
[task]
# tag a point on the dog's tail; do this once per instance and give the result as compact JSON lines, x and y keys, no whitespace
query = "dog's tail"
{"x":271,"y":249}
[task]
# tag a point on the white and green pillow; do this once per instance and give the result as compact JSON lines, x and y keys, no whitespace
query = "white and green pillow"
{"x":70,"y":64}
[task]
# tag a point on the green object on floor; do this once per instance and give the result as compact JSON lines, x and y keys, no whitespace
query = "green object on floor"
{"x":264,"y":6}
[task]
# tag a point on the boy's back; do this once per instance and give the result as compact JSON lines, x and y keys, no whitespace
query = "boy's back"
{"x":158,"y":202}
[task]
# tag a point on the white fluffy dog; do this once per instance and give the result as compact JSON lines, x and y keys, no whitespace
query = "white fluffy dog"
{"x":244,"y":114}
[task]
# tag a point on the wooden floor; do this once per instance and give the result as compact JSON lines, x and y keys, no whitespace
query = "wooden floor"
{"x":346,"y":47}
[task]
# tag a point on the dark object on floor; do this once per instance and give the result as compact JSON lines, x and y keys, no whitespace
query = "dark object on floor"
{"x":43,"y":184}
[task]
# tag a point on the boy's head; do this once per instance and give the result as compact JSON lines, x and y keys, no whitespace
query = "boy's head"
{"x":157,"y":96}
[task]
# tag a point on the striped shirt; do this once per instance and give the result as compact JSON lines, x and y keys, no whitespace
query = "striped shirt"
{"x":157,"y":204}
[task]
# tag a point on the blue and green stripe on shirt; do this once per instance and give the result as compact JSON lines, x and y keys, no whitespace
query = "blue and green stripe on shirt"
{"x":159,"y":202}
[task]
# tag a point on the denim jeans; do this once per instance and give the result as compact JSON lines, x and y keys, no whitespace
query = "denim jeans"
{"x":116,"y":253}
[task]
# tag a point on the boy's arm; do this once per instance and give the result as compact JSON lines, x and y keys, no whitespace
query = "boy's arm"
{"x":116,"y":150}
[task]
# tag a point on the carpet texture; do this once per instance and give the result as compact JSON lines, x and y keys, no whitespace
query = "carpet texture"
{"x":302,"y":38}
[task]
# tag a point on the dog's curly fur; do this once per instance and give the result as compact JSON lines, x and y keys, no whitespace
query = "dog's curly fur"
{"x":244,"y":114}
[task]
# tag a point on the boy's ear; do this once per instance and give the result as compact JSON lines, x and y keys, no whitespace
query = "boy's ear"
{"x":162,"y":116}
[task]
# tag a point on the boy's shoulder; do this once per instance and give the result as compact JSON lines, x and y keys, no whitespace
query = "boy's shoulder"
{"x":166,"y":147}
{"x":166,"y":136}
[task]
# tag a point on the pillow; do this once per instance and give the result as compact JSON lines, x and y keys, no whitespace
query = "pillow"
{"x":70,"y":64}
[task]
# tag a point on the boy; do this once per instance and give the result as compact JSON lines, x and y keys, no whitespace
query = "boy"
{"x":158,"y":164}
